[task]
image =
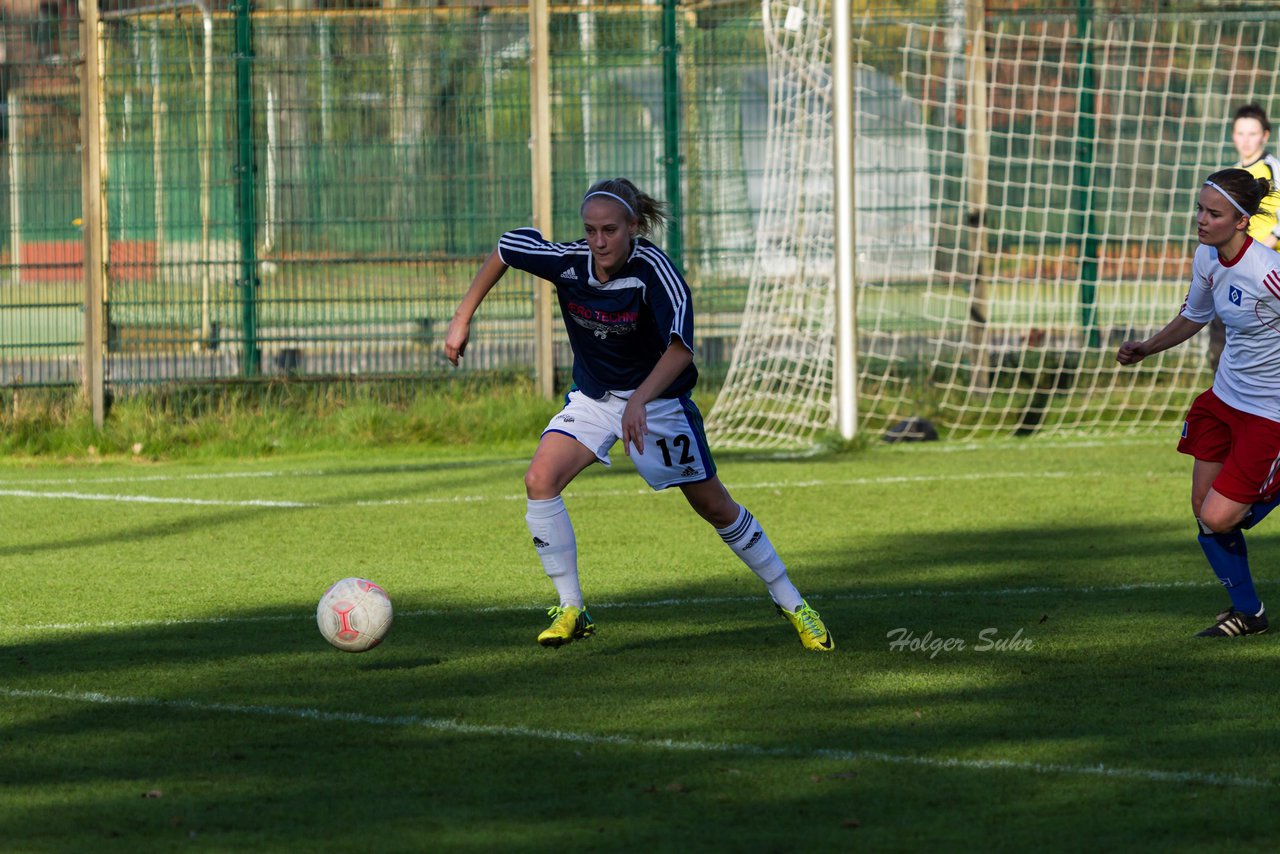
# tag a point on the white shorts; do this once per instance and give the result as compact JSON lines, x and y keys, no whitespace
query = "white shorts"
{"x":675,"y":443}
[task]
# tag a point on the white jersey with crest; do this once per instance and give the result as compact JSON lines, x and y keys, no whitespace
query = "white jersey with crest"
{"x":1245,"y":293}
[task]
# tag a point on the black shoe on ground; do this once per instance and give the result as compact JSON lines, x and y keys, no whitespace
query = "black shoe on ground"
{"x":1232,"y":623}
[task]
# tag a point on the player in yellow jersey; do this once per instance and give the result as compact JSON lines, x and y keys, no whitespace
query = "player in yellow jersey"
{"x":1250,"y":132}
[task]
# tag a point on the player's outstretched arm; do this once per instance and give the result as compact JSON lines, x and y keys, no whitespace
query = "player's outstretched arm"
{"x":1174,"y":333}
{"x":455,"y":340}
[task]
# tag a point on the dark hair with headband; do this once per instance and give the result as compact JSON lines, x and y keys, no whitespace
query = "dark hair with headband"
{"x":643,"y":209}
{"x":1244,"y":191}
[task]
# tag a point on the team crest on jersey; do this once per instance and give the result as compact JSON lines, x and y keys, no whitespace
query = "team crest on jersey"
{"x":1235,"y":295}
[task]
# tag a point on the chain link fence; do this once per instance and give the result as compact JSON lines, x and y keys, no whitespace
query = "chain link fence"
{"x":305,"y":192}
{"x":384,"y":151}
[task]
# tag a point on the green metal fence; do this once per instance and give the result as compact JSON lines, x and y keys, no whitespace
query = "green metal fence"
{"x":307,"y":192}
{"x":385,"y":151}
{"x":41,"y":310}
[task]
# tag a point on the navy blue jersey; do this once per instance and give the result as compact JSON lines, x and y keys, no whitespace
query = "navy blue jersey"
{"x":620,"y":328}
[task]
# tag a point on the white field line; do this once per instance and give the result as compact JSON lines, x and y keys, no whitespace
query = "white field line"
{"x":886,"y":480}
{"x":917,"y":594}
{"x":897,"y":451}
{"x":149,"y":499}
{"x":627,"y":741}
{"x":151,"y":478}
{"x":284,"y":474}
{"x":1003,"y":445}
{"x":948,"y":447}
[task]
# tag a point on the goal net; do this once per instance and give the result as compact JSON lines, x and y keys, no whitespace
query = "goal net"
{"x":1022,"y":209}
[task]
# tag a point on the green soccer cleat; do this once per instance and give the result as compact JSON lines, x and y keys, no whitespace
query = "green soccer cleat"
{"x":567,"y":625}
{"x":813,"y":632}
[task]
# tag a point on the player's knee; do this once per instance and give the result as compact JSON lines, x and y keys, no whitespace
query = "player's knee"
{"x":726,"y":515}
{"x":720,"y":513}
{"x":1217,"y":520}
{"x":540,"y":484}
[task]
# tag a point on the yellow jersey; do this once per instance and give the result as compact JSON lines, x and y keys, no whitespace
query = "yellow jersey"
{"x":1264,"y":222}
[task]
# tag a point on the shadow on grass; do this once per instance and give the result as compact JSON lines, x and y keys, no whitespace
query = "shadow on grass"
{"x":229,"y":720}
{"x":228,"y":727}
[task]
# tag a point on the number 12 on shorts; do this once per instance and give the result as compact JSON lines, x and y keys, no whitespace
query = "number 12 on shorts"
{"x":681,"y":442}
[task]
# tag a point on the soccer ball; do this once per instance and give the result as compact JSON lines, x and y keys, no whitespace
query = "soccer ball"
{"x":354,"y":615}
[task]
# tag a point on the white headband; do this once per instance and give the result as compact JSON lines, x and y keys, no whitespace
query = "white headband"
{"x":612,"y":196}
{"x":1234,"y":203}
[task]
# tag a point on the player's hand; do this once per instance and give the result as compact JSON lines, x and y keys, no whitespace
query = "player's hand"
{"x":455,"y":340}
{"x":1131,"y":352}
{"x":634,"y":426}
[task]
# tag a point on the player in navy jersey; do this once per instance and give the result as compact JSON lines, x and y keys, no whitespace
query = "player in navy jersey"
{"x":1233,"y":429}
{"x":629,"y":317}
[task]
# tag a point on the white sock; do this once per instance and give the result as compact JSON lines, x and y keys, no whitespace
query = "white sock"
{"x":750,"y":543}
{"x":548,"y":522}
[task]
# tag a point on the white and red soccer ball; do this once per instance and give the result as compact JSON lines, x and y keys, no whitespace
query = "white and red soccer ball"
{"x":354,"y":614}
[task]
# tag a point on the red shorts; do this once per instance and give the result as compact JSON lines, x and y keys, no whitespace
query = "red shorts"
{"x":1247,"y":445}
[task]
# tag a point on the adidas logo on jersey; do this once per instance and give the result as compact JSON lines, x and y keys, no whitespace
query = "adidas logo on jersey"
{"x":569,"y":275}
{"x":689,"y":471}
{"x":567,"y":419}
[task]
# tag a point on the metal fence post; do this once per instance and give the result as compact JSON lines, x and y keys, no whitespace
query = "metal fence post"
{"x":15,"y":185}
{"x":246,"y":174}
{"x":671,"y":132}
{"x":977,"y":155}
{"x":540,"y":143}
{"x":1086,"y":137}
{"x":94,"y":217}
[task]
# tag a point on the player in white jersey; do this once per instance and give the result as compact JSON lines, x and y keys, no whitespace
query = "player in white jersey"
{"x":629,"y":318}
{"x":1233,"y":428}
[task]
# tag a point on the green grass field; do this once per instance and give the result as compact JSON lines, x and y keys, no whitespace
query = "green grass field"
{"x":163,"y":685}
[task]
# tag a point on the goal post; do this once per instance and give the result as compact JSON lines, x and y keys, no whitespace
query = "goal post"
{"x":779,"y":387}
{"x":843,"y":187}
{"x":1024,"y":203}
